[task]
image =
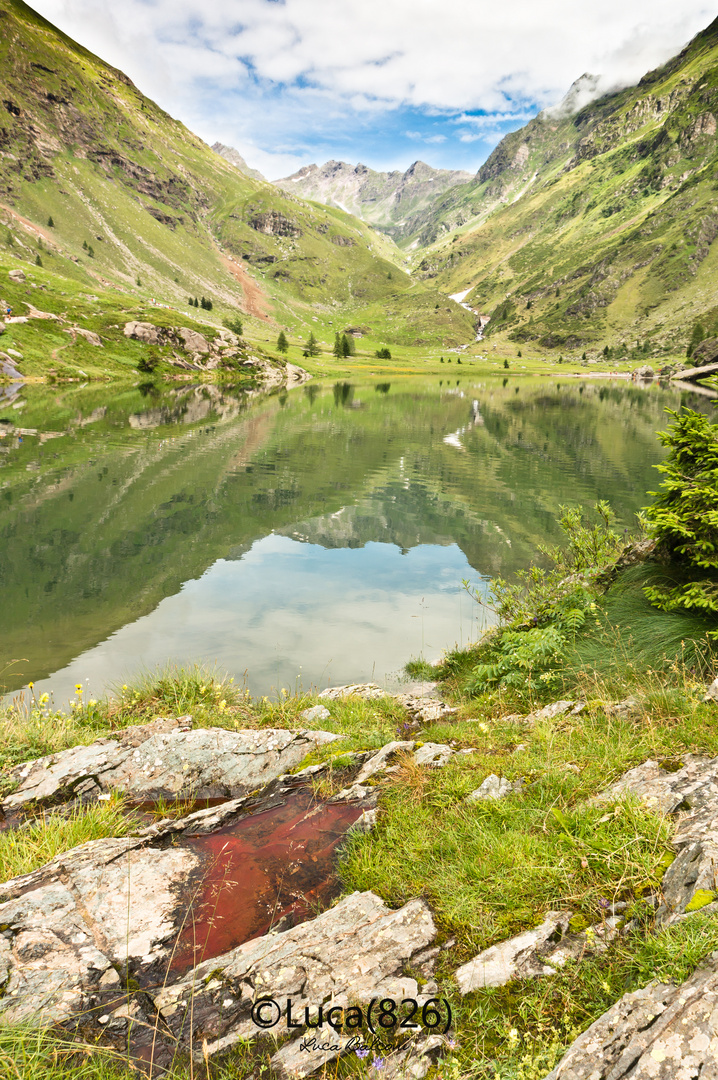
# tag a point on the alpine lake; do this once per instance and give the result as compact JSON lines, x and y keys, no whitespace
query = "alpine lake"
{"x":293,"y":539}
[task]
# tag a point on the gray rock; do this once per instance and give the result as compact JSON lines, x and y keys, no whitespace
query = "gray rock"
{"x":425,"y":710}
{"x":494,"y":787}
{"x":370,"y":691}
{"x":143,"y":331}
{"x":2,"y":327}
{"x":712,"y":691}
{"x":89,"y":335}
{"x":644,"y":372}
{"x":662,"y":1032}
{"x":351,"y":953}
{"x":434,"y":755}
{"x":166,"y":759}
{"x":556,"y":708}
{"x":319,"y":712}
{"x":690,"y":880}
{"x":18,"y":276}
{"x":193,"y":342}
{"x":522,"y":957}
{"x":14,"y":353}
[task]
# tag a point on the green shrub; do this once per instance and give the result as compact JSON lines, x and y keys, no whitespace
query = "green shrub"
{"x":234,"y":324}
{"x":385,"y":354}
{"x":684,"y":518}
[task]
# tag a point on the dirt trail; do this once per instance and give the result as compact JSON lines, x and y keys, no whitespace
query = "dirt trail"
{"x":256,"y":302}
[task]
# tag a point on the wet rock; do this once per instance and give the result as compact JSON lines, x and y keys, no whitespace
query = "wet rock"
{"x":494,"y":787}
{"x":424,"y":710}
{"x":319,"y":712}
{"x":143,"y":331}
{"x":165,"y":759}
{"x":193,"y":342}
{"x":664,"y":1032}
{"x":18,"y":276}
{"x":522,"y":957}
{"x":351,"y":953}
{"x":369,"y":691}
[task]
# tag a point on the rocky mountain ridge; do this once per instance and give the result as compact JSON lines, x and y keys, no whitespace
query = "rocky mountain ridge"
{"x":235,"y":158}
{"x":383,"y":199}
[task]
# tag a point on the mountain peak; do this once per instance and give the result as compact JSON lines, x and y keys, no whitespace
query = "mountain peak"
{"x":235,"y":158}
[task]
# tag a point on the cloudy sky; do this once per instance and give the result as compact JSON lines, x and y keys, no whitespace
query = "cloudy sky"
{"x":385,"y":82}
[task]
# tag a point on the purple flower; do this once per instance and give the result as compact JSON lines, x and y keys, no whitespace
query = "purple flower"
{"x":603,"y":903}
{"x":378,"y":1063}
{"x":362,"y":1052}
{"x":452,"y":1044}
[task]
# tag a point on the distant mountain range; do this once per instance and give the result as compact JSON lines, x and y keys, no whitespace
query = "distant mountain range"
{"x":383,"y":199}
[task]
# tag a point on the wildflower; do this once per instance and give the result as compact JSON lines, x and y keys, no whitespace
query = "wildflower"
{"x":483,"y":727}
{"x":603,"y":902}
{"x":362,"y":1052}
{"x":124,"y":687}
{"x":92,"y":702}
{"x":78,"y":688}
{"x":378,"y":1063}
{"x":452,"y":1044}
{"x":30,"y":685}
{"x":222,"y":705}
{"x":44,"y":699}
{"x":284,"y":692}
{"x":513,"y":1035}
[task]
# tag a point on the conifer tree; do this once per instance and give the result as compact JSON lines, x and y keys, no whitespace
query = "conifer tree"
{"x":282,"y":343}
{"x":50,"y":223}
{"x":338,"y":350}
{"x":312,"y":347}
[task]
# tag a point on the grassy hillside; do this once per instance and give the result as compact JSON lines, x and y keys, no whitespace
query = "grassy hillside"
{"x":111,"y":192}
{"x":596,"y":228}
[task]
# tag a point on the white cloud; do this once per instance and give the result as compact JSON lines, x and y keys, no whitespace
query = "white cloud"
{"x":310,"y":57}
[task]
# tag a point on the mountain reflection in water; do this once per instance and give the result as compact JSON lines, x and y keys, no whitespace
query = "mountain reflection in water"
{"x":319,"y":535}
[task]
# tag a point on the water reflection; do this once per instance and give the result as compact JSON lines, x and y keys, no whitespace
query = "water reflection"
{"x":290,"y":534}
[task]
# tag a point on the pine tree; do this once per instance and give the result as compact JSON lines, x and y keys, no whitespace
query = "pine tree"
{"x":196,"y":302}
{"x":84,"y":245}
{"x":50,"y":223}
{"x":312,"y":347}
{"x":282,"y":343}
{"x":348,"y":346}
{"x":38,"y":261}
{"x":337,"y":350}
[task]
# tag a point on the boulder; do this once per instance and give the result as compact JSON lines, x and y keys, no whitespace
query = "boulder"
{"x":165,"y":759}
{"x":664,"y":1032}
{"x":18,"y":276}
{"x":319,"y":712}
{"x":89,"y":335}
{"x":193,"y":342}
{"x":641,"y":373}
{"x":556,"y":708}
{"x":705,"y":353}
{"x":2,"y":327}
{"x":424,"y":710}
{"x":144,"y":331}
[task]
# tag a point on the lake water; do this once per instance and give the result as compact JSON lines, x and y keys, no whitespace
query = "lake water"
{"x":294,"y":539}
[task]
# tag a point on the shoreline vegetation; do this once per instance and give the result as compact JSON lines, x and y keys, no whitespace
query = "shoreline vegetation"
{"x":623,"y":627}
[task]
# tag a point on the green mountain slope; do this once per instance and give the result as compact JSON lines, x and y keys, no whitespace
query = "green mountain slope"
{"x":598,"y":227}
{"x":139,"y":203}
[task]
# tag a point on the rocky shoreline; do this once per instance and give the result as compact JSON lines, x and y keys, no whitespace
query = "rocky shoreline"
{"x":164,"y":943}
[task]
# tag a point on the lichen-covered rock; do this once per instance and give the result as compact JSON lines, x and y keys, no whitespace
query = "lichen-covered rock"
{"x":166,"y":759}
{"x":369,"y":691}
{"x":494,"y":787}
{"x":351,"y":953}
{"x":425,"y":710}
{"x":694,"y":785}
{"x":662,"y":1032}
{"x":522,"y":957}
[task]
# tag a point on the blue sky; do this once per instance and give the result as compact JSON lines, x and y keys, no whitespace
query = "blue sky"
{"x":385,"y":82}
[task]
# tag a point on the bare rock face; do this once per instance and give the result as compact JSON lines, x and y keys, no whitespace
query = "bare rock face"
{"x":663,"y":1032}
{"x":166,"y":759}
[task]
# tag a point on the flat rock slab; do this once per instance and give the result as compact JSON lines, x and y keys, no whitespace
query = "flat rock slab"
{"x":369,"y":691}
{"x":535,"y":952}
{"x":350,"y":954}
{"x":165,"y":759}
{"x":691,"y":792}
{"x":663,"y":1032}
